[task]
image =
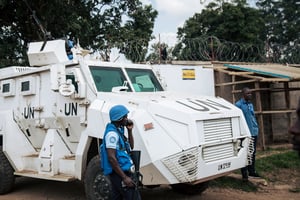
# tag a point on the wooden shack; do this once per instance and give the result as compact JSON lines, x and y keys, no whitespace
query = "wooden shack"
{"x":276,"y":89}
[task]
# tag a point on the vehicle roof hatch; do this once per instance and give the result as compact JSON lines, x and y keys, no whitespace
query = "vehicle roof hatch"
{"x":53,"y":52}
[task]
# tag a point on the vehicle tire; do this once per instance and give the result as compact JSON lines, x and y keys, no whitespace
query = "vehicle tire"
{"x":97,"y":186}
{"x":189,"y":189}
{"x":7,"y":178}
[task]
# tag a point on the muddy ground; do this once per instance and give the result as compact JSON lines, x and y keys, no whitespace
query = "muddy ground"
{"x":285,"y":187}
{"x":282,"y":185}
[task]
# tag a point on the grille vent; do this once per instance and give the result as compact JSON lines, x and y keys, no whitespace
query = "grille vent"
{"x":217,"y":129}
{"x":184,"y":165}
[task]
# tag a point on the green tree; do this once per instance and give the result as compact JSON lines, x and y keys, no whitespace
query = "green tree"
{"x":282,"y":18}
{"x":236,"y":22}
{"x":136,"y":35}
{"x":98,"y":24}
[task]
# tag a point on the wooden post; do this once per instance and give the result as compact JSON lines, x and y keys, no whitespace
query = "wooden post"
{"x":287,"y":103}
{"x":233,"y":88}
{"x":260,"y":116}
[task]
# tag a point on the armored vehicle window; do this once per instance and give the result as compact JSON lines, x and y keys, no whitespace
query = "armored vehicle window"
{"x":143,"y":80}
{"x":106,"y":78}
{"x":28,"y":85}
{"x":25,"y":86}
{"x":5,"y":87}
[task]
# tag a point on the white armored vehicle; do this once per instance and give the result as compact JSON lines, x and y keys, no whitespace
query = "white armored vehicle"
{"x":53,"y":115}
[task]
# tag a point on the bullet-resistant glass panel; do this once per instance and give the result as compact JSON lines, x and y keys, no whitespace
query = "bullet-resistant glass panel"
{"x":106,"y":78}
{"x":143,"y":80}
{"x":5,"y":88}
{"x":28,"y":85}
{"x":25,"y":86}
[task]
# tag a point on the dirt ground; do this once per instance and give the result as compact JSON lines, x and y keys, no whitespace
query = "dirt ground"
{"x":284,"y":185}
{"x":281,"y":186}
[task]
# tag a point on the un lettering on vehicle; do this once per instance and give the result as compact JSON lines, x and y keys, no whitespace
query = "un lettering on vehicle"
{"x":28,"y":112}
{"x":71,"y":109}
{"x":203,"y":105}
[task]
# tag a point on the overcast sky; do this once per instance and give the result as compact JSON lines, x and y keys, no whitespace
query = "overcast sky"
{"x":171,"y":15}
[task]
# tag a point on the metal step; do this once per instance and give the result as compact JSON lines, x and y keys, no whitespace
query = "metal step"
{"x":34,"y":174}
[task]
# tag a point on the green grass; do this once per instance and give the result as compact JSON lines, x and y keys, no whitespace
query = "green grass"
{"x":268,"y":163}
{"x":286,"y":160}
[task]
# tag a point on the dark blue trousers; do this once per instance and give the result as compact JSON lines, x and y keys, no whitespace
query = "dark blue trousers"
{"x":122,"y":193}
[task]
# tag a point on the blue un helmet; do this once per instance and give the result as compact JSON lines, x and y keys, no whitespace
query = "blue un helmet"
{"x":117,"y":112}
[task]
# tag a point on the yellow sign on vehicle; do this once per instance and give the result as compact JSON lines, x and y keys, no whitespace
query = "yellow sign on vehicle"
{"x":188,"y":74}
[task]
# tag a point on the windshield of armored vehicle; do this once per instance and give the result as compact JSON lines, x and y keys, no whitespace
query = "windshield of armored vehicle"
{"x":143,"y":80}
{"x":108,"y":77}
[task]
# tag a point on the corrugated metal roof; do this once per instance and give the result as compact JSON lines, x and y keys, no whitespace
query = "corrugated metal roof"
{"x":269,"y":70}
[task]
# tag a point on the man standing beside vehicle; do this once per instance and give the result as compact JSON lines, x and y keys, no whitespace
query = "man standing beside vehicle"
{"x":247,"y":107}
{"x":115,"y":159}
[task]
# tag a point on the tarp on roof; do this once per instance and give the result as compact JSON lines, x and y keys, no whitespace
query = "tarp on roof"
{"x":270,"y":70}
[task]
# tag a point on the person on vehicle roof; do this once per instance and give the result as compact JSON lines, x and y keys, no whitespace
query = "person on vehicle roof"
{"x":115,"y":158}
{"x":247,"y":107}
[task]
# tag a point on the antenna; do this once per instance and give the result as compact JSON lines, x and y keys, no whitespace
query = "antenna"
{"x":47,"y":35}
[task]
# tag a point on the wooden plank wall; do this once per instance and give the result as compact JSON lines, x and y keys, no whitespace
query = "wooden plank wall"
{"x":274,"y":100}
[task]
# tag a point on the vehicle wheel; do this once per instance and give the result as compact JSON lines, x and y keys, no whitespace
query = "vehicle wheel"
{"x":97,"y":186}
{"x":190,"y":189}
{"x":7,"y":178}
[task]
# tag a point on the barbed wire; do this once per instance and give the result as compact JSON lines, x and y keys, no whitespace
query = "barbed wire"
{"x":196,"y":49}
{"x":213,"y":49}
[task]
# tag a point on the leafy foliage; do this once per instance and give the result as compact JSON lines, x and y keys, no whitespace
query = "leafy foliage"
{"x":267,"y":33}
{"x":99,"y":24}
{"x":235,"y":22}
{"x":231,"y":22}
{"x":224,"y":30}
{"x":282,"y":20}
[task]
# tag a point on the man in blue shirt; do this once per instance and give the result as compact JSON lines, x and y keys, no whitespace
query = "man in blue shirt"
{"x":247,"y":107}
{"x":115,"y":159}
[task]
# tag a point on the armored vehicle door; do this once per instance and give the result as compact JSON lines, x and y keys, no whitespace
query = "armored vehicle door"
{"x":71,"y":109}
{"x":27,"y":113}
